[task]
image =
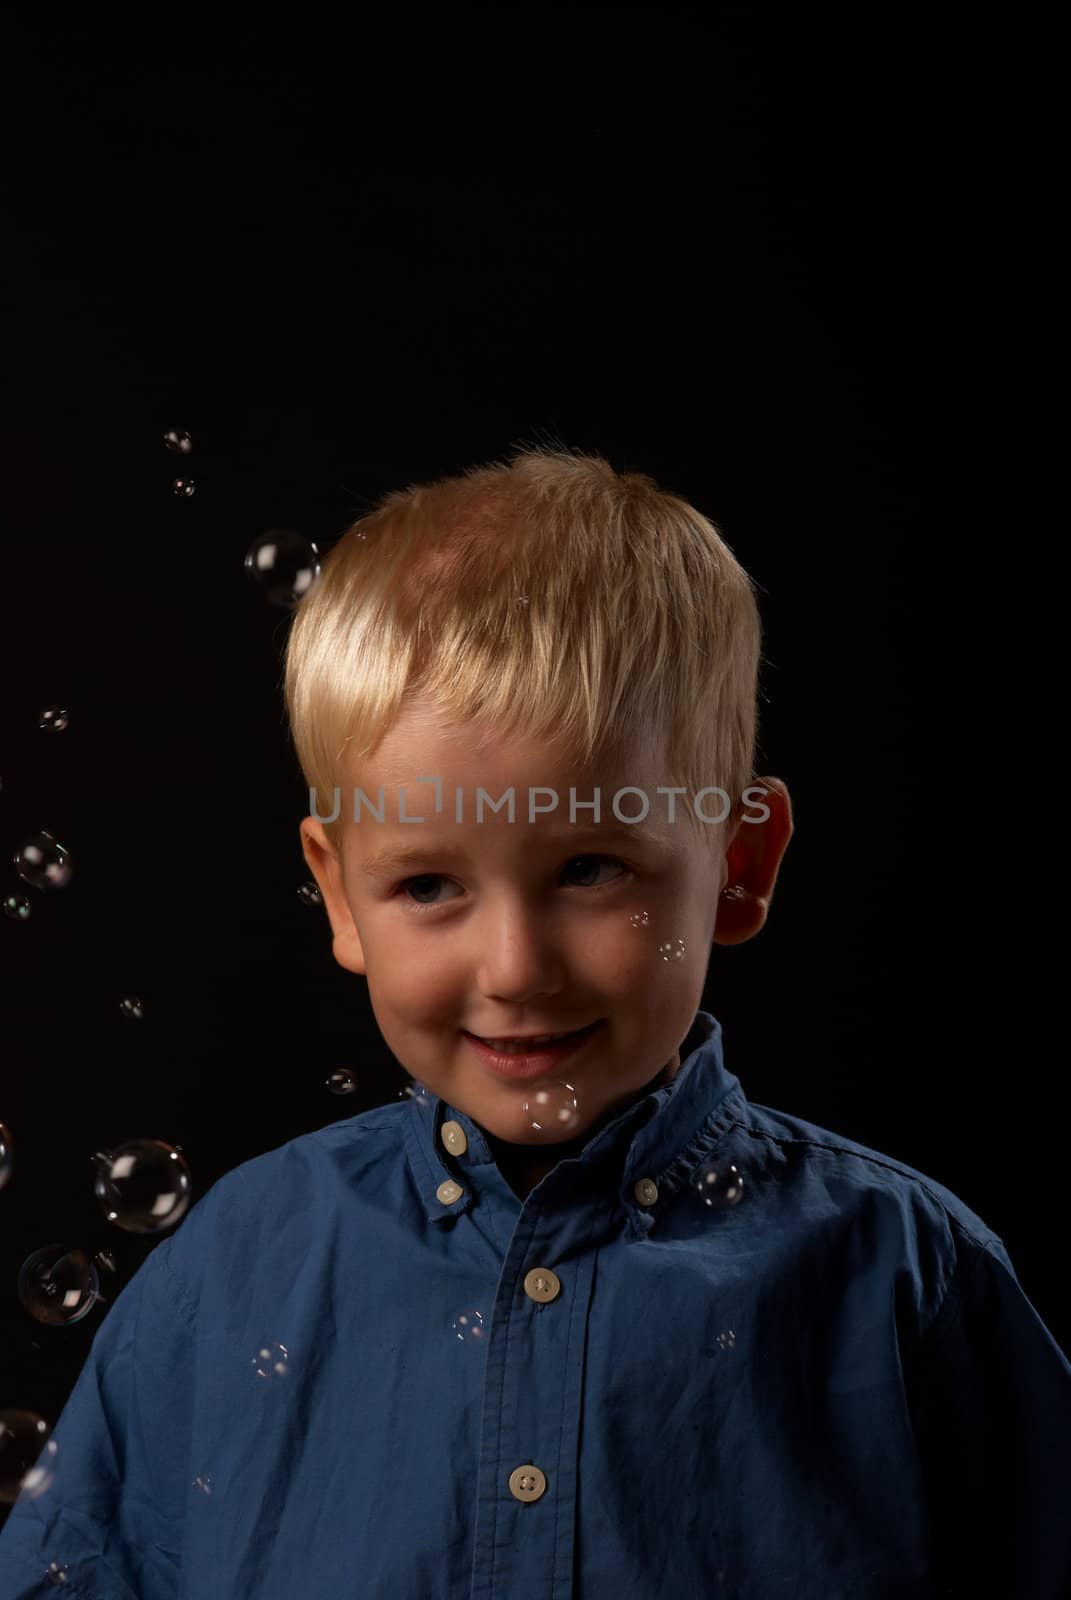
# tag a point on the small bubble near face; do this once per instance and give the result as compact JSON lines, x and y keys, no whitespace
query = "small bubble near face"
{"x":53,"y":719}
{"x":552,"y":1108}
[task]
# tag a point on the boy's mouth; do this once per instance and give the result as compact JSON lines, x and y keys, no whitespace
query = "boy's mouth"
{"x":530,"y":1043}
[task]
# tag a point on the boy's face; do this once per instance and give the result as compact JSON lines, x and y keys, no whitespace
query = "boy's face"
{"x":519,"y":936}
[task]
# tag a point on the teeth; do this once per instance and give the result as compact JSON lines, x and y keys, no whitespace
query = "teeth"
{"x":522,"y":1049}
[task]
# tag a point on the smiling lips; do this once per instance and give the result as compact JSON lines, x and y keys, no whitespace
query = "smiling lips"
{"x":528,"y":1044}
{"x":530,"y":1041}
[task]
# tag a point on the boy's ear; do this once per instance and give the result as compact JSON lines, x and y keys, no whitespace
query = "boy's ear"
{"x":326,"y":868}
{"x":752,"y":862}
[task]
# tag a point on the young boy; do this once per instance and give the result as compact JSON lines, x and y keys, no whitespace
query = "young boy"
{"x":581,"y":1322}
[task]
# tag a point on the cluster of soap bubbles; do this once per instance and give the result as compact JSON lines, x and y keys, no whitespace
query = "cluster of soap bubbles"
{"x":283,"y":564}
{"x":43,"y":863}
{"x":143,"y":1185}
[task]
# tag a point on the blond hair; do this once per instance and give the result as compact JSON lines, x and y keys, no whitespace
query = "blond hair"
{"x":545,"y":596}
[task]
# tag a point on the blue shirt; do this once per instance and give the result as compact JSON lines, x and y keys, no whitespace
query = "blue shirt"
{"x":360,"y":1366}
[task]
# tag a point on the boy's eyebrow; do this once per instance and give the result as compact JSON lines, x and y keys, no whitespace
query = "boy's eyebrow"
{"x":384,"y":862}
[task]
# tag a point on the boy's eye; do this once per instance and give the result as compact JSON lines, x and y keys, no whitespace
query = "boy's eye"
{"x":426,"y":879}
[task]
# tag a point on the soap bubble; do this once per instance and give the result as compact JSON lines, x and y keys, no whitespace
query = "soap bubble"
{"x":272,"y":1360}
{"x":58,"y":1285}
{"x":27,"y":1456}
{"x":183,"y":488}
{"x":718,"y":1184}
{"x":342,"y":1081}
{"x":42,"y":863}
{"x":468,"y":1327}
{"x":310,"y":894}
{"x":178,"y":441}
{"x":53,"y":719}
{"x":551,"y":1108}
{"x":143,"y":1186}
{"x":17,"y":906}
{"x":6,"y":1155}
{"x":132,"y":1007}
{"x":283,"y":565}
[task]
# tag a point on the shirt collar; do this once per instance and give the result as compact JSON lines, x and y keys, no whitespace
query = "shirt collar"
{"x":660,"y":1137}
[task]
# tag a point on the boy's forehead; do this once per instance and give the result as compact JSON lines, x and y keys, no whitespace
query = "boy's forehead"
{"x":421,"y":748}
{"x":420,"y":732}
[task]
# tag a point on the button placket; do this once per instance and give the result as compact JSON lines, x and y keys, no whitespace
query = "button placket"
{"x":453,"y":1137}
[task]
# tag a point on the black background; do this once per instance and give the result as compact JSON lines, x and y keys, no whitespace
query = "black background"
{"x":783,"y":265}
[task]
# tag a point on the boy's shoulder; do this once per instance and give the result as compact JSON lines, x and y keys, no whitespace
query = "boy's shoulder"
{"x":871,"y":1215}
{"x":339,"y":1149}
{"x":304,"y":1177}
{"x":857,"y":1175}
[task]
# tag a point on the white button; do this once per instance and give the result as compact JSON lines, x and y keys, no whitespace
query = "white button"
{"x":646,"y":1191}
{"x":453,"y":1137}
{"x":448,"y":1192}
{"x":542,"y":1284}
{"x":527,"y":1483}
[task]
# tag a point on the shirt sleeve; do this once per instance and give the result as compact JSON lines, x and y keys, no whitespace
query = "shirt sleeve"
{"x":110,"y":1519}
{"x":990,"y":1398}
